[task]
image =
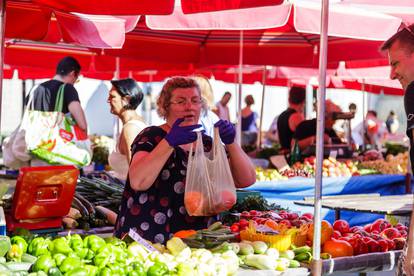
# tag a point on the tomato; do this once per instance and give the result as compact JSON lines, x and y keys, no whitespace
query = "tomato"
{"x":271,"y":224}
{"x":326,"y":231}
{"x":336,"y":234}
{"x":374,"y":246}
{"x":243,"y":222}
{"x":286,"y":222}
{"x":338,"y":248}
{"x":341,"y":225}
{"x":380,"y":225}
{"x":391,"y":233}
{"x":235,"y":228}
{"x":383,"y":244}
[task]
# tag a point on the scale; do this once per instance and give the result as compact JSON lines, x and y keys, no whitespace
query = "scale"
{"x":42,"y":197}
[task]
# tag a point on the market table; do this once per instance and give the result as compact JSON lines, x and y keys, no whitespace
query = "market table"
{"x":371,"y":203}
{"x":285,"y":192}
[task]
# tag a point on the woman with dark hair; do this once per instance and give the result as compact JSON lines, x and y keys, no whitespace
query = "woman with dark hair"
{"x":124,"y":97}
{"x":248,"y":122}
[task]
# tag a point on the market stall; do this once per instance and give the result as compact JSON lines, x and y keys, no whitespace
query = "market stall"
{"x":285,"y":192}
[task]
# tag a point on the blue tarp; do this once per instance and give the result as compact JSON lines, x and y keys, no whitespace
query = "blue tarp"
{"x":285,"y":192}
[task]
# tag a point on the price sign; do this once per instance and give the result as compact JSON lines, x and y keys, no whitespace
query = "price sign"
{"x":136,"y":237}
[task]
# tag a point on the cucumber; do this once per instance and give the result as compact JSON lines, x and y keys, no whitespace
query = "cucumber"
{"x":215,"y":226}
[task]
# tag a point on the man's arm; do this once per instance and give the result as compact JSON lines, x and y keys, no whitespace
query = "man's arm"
{"x":77,"y":113}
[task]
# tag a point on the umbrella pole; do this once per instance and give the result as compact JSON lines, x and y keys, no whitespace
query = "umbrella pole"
{"x":259,"y":140}
{"x":320,"y":127}
{"x":2,"y":30}
{"x":239,"y":107}
{"x":364,"y":111}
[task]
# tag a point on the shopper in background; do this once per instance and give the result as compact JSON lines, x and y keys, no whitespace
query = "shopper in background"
{"x":44,"y":96}
{"x":222,"y":110}
{"x":124,"y":98}
{"x":392,"y":122}
{"x":249,"y":122}
{"x":290,"y":118}
{"x":305,"y":132}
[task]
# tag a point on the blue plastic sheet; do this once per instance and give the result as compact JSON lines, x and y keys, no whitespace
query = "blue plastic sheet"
{"x":285,"y":192}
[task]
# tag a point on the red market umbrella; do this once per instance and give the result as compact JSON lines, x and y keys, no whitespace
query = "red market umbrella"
{"x":29,"y":21}
{"x":161,"y":7}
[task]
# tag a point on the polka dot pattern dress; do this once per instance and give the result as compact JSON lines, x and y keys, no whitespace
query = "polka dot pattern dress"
{"x":159,"y":212}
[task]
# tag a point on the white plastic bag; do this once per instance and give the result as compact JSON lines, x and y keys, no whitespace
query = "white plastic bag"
{"x":209,"y":187}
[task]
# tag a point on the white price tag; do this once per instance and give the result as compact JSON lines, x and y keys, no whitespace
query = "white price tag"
{"x":279,"y":161}
{"x":333,"y":154}
{"x":136,"y":237}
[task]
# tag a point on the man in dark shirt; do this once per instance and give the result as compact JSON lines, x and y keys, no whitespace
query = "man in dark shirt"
{"x":44,"y":96}
{"x":290,"y":118}
{"x":305,"y":133}
{"x":400,"y":49}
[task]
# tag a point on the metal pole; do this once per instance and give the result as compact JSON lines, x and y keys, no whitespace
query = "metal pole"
{"x":259,"y":140}
{"x":117,"y":68}
{"x":320,"y":129}
{"x":364,"y":111}
{"x":2,"y":25}
{"x":239,"y":107}
{"x":23,"y":96}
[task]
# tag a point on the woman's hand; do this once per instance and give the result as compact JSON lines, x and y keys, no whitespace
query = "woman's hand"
{"x":227,"y":131}
{"x":181,"y":135}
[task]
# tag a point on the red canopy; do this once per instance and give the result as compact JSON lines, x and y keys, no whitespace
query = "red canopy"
{"x":134,"y":7}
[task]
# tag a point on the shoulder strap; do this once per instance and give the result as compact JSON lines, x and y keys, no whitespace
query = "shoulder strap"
{"x":59,"y":98}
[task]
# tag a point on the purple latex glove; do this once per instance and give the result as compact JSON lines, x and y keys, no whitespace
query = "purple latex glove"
{"x":181,"y":135}
{"x":227,"y":131}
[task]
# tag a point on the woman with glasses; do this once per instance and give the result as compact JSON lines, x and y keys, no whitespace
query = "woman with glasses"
{"x":124,"y":98}
{"x":153,"y":199}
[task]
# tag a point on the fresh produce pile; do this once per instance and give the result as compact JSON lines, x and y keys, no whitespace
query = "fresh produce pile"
{"x":338,"y":240}
{"x":95,"y":204}
{"x":101,"y":146}
{"x":93,"y":255}
{"x":268,"y":174}
{"x":393,"y":164}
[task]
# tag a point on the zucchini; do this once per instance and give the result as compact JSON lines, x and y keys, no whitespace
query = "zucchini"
{"x":27,"y":258}
{"x":18,"y":266}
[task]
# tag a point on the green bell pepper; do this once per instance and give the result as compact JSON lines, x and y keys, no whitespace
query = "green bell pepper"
{"x":15,"y":253}
{"x":105,"y":272}
{"x":79,"y":271}
{"x":59,"y":258}
{"x":158,"y":269}
{"x":115,"y":241}
{"x":54,"y":271}
{"x":93,"y":242}
{"x":69,"y":264}
{"x":116,"y":269}
{"x":82,"y":252}
{"x":44,"y":263}
{"x":91,"y":270}
{"x":61,"y":245}
{"x":75,"y":241}
{"x":137,"y":269}
{"x":20,"y":242}
{"x":104,"y":256}
{"x":39,"y":246}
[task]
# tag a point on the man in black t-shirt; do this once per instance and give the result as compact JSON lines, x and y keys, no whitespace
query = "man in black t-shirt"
{"x":305,"y":132}
{"x":44,"y":96}
{"x":400,"y":49}
{"x":289,"y":119}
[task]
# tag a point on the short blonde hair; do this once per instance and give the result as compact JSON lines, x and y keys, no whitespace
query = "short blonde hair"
{"x":163,"y":101}
{"x":206,"y":90}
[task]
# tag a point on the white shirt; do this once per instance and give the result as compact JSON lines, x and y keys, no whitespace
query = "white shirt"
{"x":223,"y":112}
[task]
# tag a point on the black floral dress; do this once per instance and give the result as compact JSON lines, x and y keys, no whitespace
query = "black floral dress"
{"x":159,"y":212}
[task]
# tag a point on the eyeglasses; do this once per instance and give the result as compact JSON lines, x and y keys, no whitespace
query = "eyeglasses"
{"x":183,"y":102}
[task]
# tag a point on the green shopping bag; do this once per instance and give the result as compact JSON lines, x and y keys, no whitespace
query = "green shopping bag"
{"x":55,"y":138}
